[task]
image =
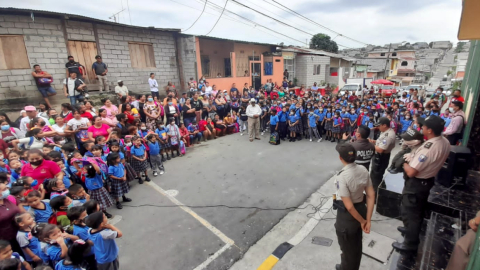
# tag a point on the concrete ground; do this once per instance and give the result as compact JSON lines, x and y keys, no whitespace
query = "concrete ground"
{"x":228,"y":171}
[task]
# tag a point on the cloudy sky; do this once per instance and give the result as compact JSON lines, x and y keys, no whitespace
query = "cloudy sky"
{"x":375,"y":22}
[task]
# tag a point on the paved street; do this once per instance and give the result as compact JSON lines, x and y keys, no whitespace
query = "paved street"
{"x":442,"y":68}
{"x":227,"y":171}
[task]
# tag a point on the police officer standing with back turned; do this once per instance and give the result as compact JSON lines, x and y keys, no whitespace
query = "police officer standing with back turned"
{"x":353,"y":216}
{"x":420,"y":170}
{"x":364,"y":149}
{"x":383,"y":146}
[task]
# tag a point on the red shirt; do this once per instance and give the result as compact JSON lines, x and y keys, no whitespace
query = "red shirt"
{"x":85,"y":115}
{"x":201,"y":125}
{"x":461,"y":99}
{"x":48,"y":169}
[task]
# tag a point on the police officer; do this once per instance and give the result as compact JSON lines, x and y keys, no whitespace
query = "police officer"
{"x":353,"y":215}
{"x":383,"y":146}
{"x":363,"y":148}
{"x":419,"y":173}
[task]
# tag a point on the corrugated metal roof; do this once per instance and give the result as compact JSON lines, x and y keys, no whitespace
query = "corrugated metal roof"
{"x":233,"y":40}
{"x":317,"y":52}
{"x":20,"y":11}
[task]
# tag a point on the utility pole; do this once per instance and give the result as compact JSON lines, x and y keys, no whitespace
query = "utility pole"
{"x":386,"y":62}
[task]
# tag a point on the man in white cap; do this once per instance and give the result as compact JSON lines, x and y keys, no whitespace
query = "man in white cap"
{"x":31,"y":113}
{"x":253,"y":112}
{"x":121,"y":90}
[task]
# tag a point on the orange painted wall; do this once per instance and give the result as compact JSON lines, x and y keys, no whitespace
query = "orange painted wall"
{"x":226,"y":83}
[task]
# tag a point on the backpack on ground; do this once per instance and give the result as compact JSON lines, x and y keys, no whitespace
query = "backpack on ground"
{"x":274,"y":139}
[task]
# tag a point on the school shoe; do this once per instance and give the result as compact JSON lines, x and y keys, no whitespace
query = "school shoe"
{"x":140,"y":180}
{"x":155,"y":173}
{"x":162,"y":172}
{"x":108,"y":215}
{"x":168,"y":157}
{"x":241,"y":133}
{"x":319,"y":140}
{"x":119,"y":205}
{"x":262,"y":133}
{"x":147,"y":179}
{"x":310,"y":139}
{"x":125,"y":199}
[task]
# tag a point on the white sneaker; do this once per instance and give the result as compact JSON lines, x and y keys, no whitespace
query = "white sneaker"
{"x":155,"y":173}
{"x":162,"y":172}
{"x":262,"y":133}
{"x":319,"y":140}
{"x":241,"y":134}
{"x":310,"y":139}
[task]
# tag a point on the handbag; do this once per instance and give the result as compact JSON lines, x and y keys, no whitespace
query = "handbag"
{"x":44,"y":81}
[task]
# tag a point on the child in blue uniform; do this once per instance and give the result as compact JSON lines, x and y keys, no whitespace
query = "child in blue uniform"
{"x":337,"y":127}
{"x":118,"y":175}
{"x":57,"y":242}
{"x":40,"y":209}
{"x":329,"y":123}
{"x":273,"y":121}
{"x":77,"y":215}
{"x":103,"y":236}
{"x":293,"y":125}
{"x":312,"y":125}
{"x":320,"y":112}
{"x":75,"y":257}
{"x":29,"y":244}
{"x":282,"y":123}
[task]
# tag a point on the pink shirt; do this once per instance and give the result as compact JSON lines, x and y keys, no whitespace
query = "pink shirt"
{"x":103,"y":131}
{"x":48,"y":169}
{"x":112,"y":111}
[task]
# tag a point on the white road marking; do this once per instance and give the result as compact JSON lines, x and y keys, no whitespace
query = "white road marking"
{"x":229,"y":242}
{"x":213,"y":257}
{"x":172,"y":192}
{"x":311,"y":223}
{"x":115,"y":219}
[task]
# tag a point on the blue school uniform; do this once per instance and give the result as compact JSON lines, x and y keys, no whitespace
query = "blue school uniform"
{"x":161,"y":133}
{"x":447,"y":121}
{"x":104,"y":246}
{"x":54,"y":252}
{"x":116,"y":170}
{"x":405,"y":124}
{"x":298,"y":111}
{"x":14,"y":177}
{"x":337,"y":121}
{"x":274,"y":120}
{"x":42,"y":215}
{"x":138,"y":151}
{"x":352,"y":117}
{"x":66,"y":179}
{"x":154,"y":148}
{"x":94,"y":183}
{"x":82,"y":233}
{"x":312,"y":120}
{"x":26,"y":240}
{"x":61,"y":266}
{"x":321,"y":115}
{"x":293,"y":118}
{"x":365,"y":120}
{"x":282,"y":116}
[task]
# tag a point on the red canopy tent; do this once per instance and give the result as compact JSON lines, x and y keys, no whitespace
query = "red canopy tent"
{"x":382,"y":81}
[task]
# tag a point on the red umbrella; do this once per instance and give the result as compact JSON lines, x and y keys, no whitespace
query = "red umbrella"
{"x":382,"y":81}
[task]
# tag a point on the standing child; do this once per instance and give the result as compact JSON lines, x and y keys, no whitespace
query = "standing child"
{"x":118,"y":175}
{"x":273,"y":121}
{"x":337,"y":126}
{"x":242,"y":120}
{"x":155,"y":158}
{"x":103,"y":236}
{"x":6,"y":253}
{"x":329,"y":123}
{"x":102,"y":141}
{"x":59,"y":205}
{"x":312,"y":125}
{"x":139,"y":158}
{"x":353,"y":117}
{"x":57,"y":242}
{"x":116,"y":148}
{"x":55,"y":187}
{"x":94,"y":184}
{"x":75,"y":256}
{"x":264,"y":117}
{"x":163,"y":138}
{"x":174,"y":137}
{"x":293,"y":125}
{"x":282,"y":123}
{"x":77,"y":193}
{"x":29,"y":244}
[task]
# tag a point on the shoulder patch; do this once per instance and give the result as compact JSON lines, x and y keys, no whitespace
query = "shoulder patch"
{"x":428,"y":145}
{"x":422,"y":158}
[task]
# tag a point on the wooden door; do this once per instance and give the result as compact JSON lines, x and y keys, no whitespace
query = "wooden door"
{"x":84,"y":52}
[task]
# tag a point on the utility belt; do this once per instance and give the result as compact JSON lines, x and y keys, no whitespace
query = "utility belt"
{"x":423,"y":181}
{"x":363,"y":161}
{"x":340,"y":206}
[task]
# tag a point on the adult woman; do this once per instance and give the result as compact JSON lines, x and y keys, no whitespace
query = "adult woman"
{"x":152,"y":112}
{"x":52,"y":113}
{"x":42,"y":110}
{"x":89,"y":108}
{"x":220,"y":104}
{"x":172,"y":111}
{"x":32,"y":140}
{"x":130,"y":112}
{"x":111,"y":109}
{"x":8,"y":133}
{"x":60,"y":125}
{"x":4,"y":117}
{"x":40,"y":169}
{"x":106,"y":120}
{"x":78,"y":126}
{"x":8,"y":226}
{"x":66,"y":110}
{"x":188,"y":113}
{"x":245,"y":88}
{"x":281,"y":92}
{"x":98,"y":129}
{"x":210,"y":130}
{"x":141,"y":103}
{"x":214,"y":90}
{"x":219,"y":126}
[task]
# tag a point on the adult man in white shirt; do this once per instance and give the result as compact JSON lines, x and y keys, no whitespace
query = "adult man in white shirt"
{"x":73,"y":87}
{"x":121,"y":90}
{"x":31,"y":113}
{"x":153,"y":86}
{"x":208,"y":89}
{"x":253,"y":112}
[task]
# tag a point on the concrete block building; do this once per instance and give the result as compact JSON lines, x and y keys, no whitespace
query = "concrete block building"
{"x":47,"y":38}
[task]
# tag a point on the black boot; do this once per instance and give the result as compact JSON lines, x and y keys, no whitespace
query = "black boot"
{"x":125,"y":199}
{"x":108,"y":215}
{"x":119,"y":205}
{"x":147,"y":179}
{"x":140,"y":180}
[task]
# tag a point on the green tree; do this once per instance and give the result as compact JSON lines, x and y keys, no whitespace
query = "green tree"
{"x":323,"y":42}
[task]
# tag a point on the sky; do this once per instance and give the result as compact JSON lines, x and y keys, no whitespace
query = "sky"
{"x":376,"y":22}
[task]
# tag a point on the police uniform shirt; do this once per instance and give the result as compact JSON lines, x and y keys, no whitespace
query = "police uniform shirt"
{"x":351,"y":182}
{"x":430,"y":157}
{"x":386,"y":140}
{"x":365,"y":150}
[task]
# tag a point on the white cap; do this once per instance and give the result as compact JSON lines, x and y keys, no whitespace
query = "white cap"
{"x":22,"y":111}
{"x":225,"y":91}
{"x":253,"y":100}
{"x":119,"y":81}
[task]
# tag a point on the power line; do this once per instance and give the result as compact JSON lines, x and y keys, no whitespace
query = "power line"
{"x":301,"y":16}
{"x":286,"y":24}
{"x":218,"y":17}
{"x":129,"y":15}
{"x":204,"y":6}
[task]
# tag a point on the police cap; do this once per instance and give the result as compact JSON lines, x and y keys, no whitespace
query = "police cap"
{"x":346,"y":152}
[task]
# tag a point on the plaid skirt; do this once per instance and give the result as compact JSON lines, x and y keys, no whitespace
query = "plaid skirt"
{"x":336,"y":129}
{"x":139,"y":166}
{"x":165,"y":145}
{"x":295,"y":128}
{"x":131,"y":173}
{"x":119,"y":188}
{"x":102,"y":197}
{"x":328,"y":125}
